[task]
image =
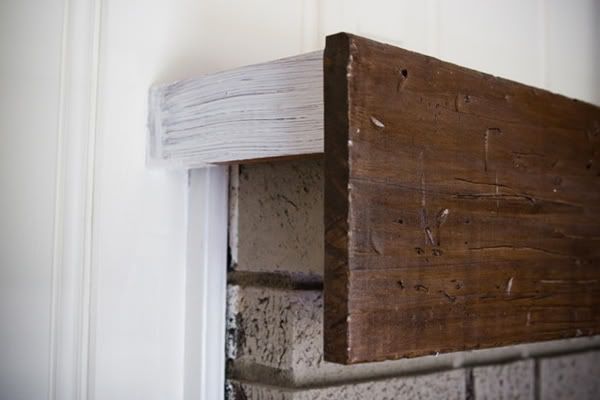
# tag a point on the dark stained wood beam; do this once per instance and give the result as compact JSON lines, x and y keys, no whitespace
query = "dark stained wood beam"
{"x":462,"y":210}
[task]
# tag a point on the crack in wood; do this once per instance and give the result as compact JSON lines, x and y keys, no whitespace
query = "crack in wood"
{"x":511,"y":247}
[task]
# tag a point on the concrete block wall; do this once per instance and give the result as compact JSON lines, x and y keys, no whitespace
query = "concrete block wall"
{"x":275,"y":316}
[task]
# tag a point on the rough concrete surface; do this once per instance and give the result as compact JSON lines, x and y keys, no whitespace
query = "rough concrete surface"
{"x":515,"y":380}
{"x":276,"y":218}
{"x":574,"y":377}
{"x":275,"y":335}
{"x":445,"y":385}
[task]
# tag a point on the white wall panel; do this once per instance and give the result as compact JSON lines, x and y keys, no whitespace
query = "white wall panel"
{"x":403,"y":23}
{"x":139,"y":214}
{"x":500,"y":37}
{"x":237,"y":32}
{"x":30,"y":42}
{"x":552,"y":44}
{"x":572,"y":52}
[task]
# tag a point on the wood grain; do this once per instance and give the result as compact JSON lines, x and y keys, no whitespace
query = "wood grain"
{"x":462,"y":210}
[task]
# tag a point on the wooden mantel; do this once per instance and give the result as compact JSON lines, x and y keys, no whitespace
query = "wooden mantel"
{"x":462,"y":210}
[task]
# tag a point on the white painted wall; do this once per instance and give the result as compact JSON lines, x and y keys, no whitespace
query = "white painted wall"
{"x":30,"y":41}
{"x":107,"y":322}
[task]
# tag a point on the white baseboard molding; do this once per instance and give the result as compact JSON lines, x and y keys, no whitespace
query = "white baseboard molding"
{"x":262,"y":111}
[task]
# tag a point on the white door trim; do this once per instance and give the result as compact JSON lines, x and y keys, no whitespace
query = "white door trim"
{"x":206,"y":283}
{"x":70,"y":361}
{"x":72,"y":318}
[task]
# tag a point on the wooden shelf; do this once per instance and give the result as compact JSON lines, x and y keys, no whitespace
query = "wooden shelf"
{"x":257,"y":112}
{"x":462,"y":210}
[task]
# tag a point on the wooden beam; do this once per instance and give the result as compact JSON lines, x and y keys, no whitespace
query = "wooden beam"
{"x":256,"y":112}
{"x":462,"y":210}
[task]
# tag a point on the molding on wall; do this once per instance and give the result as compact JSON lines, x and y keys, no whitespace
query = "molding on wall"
{"x":206,"y":284}
{"x":70,"y":360}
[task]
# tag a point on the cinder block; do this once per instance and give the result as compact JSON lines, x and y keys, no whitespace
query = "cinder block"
{"x":276,"y":336}
{"x":573,"y":377}
{"x":514,"y":380}
{"x":276,"y":217}
{"x":444,"y":385}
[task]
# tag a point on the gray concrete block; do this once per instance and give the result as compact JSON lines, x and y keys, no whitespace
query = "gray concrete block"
{"x":276,"y":217}
{"x":276,"y":336}
{"x":573,"y":377}
{"x":513,"y":381}
{"x":443,"y":385}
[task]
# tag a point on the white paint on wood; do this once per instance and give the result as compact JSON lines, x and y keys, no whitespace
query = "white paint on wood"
{"x":206,"y":284}
{"x":139,"y":221}
{"x":72,"y":280}
{"x":267,"y":110}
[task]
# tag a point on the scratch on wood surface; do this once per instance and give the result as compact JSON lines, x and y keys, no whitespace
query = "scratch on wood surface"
{"x":509,"y":286}
{"x":429,"y":236}
{"x":528,"y":318}
{"x":350,"y":66}
{"x":459,"y":100}
{"x":402,"y":75}
{"x":497,"y":194}
{"x":440,"y":220}
{"x":482,"y":183}
{"x":485,"y":150}
{"x":375,"y":245}
{"x":442,"y":216}
{"x":568,"y":281}
{"x":486,"y":145}
{"x":422,"y":171}
{"x":451,"y":299}
{"x":424,"y":219}
{"x":476,"y":196}
{"x":594,"y":130}
{"x":511,"y":247}
{"x":527,"y":154}
{"x":572,"y":236}
{"x":421,"y":288}
{"x":377,"y":122}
